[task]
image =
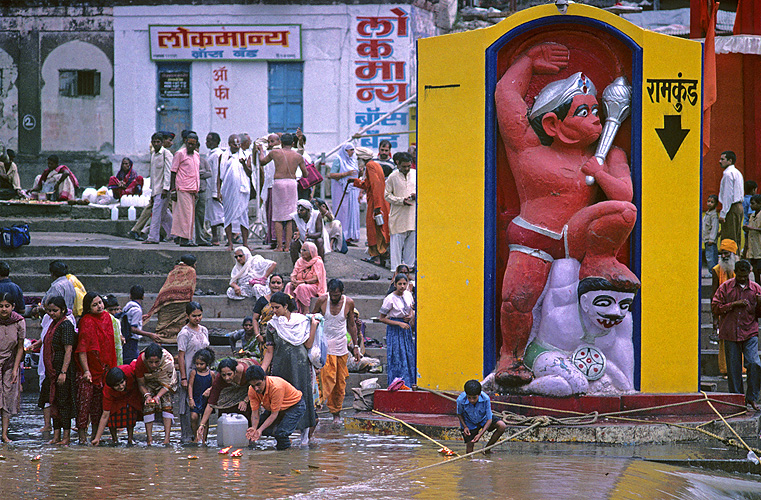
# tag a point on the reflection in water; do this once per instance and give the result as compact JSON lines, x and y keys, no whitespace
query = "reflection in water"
{"x":351,"y":466}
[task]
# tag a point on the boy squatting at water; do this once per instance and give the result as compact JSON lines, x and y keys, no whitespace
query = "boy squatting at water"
{"x":474,"y":412}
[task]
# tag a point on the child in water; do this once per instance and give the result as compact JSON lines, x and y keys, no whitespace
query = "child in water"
{"x":199,"y":386}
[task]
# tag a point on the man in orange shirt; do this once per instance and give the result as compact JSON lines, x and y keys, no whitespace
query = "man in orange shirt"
{"x":283,"y":406}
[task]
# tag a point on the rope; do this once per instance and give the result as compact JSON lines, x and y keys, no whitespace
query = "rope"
{"x":515,"y":419}
{"x":729,"y":426}
{"x":412,"y":428}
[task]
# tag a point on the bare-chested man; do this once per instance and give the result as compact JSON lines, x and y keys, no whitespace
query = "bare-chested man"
{"x":550,"y":151}
{"x":285,"y":189}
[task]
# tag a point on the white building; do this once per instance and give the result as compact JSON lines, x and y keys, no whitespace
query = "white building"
{"x":329,"y":69}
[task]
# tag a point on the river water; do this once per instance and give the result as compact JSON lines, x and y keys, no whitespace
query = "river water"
{"x":344,"y":465}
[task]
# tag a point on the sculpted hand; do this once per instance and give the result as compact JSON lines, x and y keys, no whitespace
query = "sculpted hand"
{"x":549,"y":58}
{"x":592,"y":167}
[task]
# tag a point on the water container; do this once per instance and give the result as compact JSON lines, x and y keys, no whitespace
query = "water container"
{"x":132,"y":213}
{"x":115,"y":212}
{"x":231,"y":430}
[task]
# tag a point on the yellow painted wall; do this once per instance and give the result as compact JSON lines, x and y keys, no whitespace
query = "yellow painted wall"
{"x":451,"y":137}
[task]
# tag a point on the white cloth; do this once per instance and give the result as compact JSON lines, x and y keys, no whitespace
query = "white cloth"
{"x":401,"y":217}
{"x":236,"y":189}
{"x":45,"y":324}
{"x":190,"y":342}
{"x":161,"y":170}
{"x":334,"y":331}
{"x":310,"y":226}
{"x":731,"y":190}
{"x":402,"y":249}
{"x":294,"y":331}
{"x":215,"y":211}
{"x":255,"y":267}
{"x":397,"y":306}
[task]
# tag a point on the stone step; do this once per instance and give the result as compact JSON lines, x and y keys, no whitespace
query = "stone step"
{"x":714,"y":383}
{"x":52,"y":252}
{"x":36,"y":266}
{"x":50,"y":225}
{"x":30,"y":211}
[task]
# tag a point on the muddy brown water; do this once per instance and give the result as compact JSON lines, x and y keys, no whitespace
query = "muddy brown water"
{"x":346,"y":465}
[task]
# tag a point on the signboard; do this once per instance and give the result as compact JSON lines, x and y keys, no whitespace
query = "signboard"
{"x":226,"y":43}
{"x":174,"y":84}
{"x":381,"y":76}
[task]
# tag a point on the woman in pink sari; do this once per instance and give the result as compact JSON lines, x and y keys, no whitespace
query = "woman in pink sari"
{"x":308,"y":278}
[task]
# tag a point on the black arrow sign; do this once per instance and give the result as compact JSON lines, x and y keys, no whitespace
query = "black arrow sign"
{"x":672,"y":134}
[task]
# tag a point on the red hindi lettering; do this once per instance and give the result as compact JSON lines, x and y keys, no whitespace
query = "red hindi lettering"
{"x":220,"y":74}
{"x":401,"y":22}
{"x":221,"y":112}
{"x":177,"y":39}
{"x":368,"y":25}
{"x":222,"y":92}
{"x":276,"y":38}
{"x":367,"y":70}
{"x":374,"y":48}
{"x":386,"y":92}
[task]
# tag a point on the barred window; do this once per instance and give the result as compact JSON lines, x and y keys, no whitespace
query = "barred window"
{"x":78,"y":82}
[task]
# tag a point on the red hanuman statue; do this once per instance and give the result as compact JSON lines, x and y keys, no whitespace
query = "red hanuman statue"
{"x":550,"y":151}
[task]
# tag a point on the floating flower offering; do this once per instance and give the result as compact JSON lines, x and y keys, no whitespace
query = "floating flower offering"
{"x":224,"y":451}
{"x":446,"y":451}
{"x":36,"y":458}
{"x":192,"y":457}
{"x":237,"y":453}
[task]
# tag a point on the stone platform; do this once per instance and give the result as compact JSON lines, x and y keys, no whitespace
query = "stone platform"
{"x":651,"y":418}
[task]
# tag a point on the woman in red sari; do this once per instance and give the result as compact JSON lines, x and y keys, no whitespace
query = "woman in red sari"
{"x":308,"y":278}
{"x":96,"y":355}
{"x":126,"y":181}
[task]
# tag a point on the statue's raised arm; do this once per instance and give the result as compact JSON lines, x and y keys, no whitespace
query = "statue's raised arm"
{"x":543,"y":59}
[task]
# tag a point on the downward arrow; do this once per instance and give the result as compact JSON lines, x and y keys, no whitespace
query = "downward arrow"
{"x":672,"y":134}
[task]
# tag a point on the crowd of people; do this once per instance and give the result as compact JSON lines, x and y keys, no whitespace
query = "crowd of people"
{"x":731,"y":233}
{"x":296,"y":349}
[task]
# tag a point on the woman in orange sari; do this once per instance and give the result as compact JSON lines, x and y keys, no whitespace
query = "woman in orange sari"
{"x":308,"y":278}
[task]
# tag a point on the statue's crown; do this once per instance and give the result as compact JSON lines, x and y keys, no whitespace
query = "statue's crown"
{"x":556,"y":93}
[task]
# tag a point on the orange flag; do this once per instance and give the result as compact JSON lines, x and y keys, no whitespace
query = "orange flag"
{"x":709,"y":71}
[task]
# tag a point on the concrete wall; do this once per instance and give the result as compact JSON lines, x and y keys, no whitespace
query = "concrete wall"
{"x":34,"y":119}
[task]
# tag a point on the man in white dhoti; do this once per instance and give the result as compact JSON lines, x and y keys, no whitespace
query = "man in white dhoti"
{"x":310,"y":228}
{"x":235,"y":188}
{"x":215,"y":212}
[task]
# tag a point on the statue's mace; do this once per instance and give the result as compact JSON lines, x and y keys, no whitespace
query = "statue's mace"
{"x":616,"y":99}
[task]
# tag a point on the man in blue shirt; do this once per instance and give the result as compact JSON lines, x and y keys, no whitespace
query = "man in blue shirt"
{"x":474,"y":412}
